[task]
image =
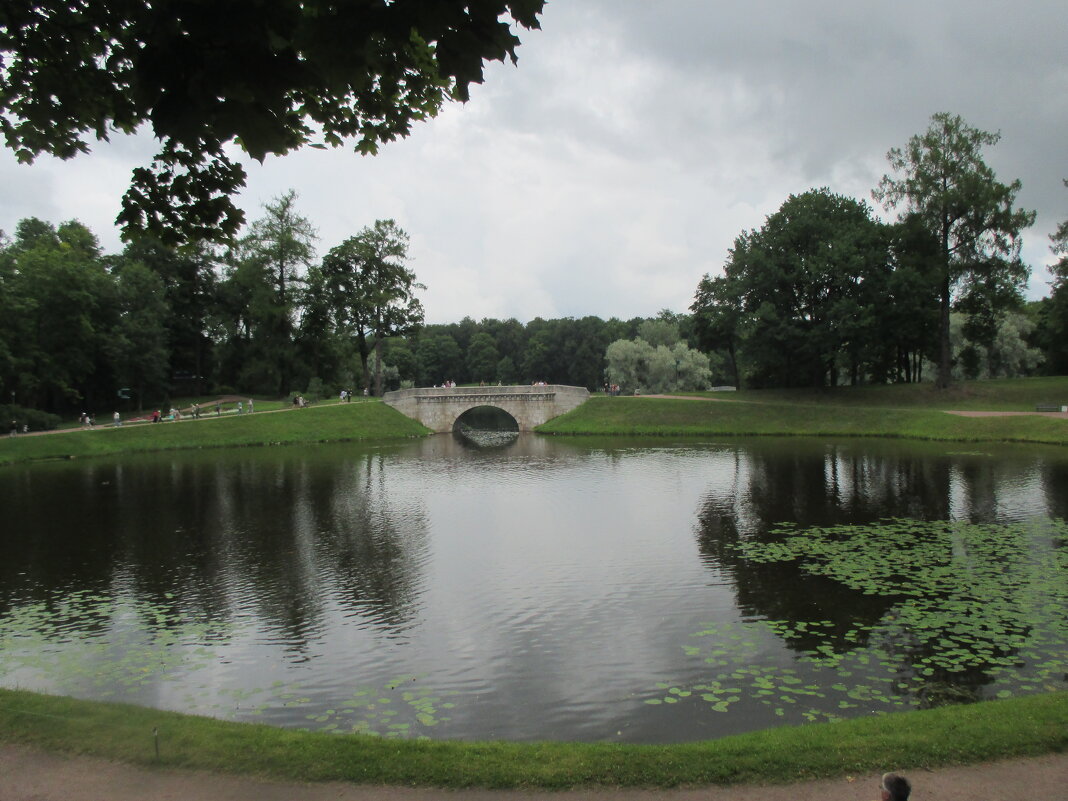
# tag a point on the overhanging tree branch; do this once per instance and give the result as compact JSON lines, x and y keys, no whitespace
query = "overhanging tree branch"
{"x":268,"y":75}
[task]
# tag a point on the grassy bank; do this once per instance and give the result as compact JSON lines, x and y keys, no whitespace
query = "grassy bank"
{"x":908,"y":410}
{"x":771,"y":415}
{"x":335,"y":422}
{"x":1009,"y":394}
{"x":946,"y":736}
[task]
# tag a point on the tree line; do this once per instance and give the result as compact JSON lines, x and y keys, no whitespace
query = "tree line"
{"x":824,"y":293}
{"x":81,"y":330}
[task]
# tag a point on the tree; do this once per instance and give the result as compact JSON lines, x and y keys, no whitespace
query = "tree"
{"x":509,"y":336}
{"x":906,"y":299}
{"x":588,"y":337}
{"x":189,"y":287}
{"x":370,"y":291}
{"x":1006,"y":354}
{"x":267,"y":268}
{"x":270,"y":77}
{"x":56,"y":284}
{"x":717,"y":312}
{"x":1052,"y":331}
{"x":482,"y":357}
{"x":440,"y":358}
{"x":791,"y":296}
{"x":659,"y":332}
{"x":506,"y":370}
{"x":539,"y":353}
{"x":12,"y":314}
{"x":1059,"y":246}
{"x":625,"y":360}
{"x":942,"y":180}
{"x":399,"y":353}
{"x":637,"y":365}
{"x":138,"y":343}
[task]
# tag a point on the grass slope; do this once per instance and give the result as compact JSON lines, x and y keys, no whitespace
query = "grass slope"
{"x":769,"y":416}
{"x":1006,"y":394}
{"x":328,"y":423}
{"x":945,"y":736}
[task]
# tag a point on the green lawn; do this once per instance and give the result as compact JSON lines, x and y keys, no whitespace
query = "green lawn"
{"x":907,"y":410}
{"x":332,"y":422}
{"x":1010,"y":394}
{"x":804,"y":414}
{"x":909,"y":741}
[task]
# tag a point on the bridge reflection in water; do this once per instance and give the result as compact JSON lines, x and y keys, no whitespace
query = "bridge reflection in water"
{"x":440,"y":408}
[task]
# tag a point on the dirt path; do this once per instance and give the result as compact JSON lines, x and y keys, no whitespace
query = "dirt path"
{"x":1059,"y":415}
{"x":207,"y":411}
{"x":30,"y":775}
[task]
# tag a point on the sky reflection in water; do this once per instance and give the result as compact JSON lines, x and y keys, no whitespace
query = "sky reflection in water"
{"x":542,"y":588}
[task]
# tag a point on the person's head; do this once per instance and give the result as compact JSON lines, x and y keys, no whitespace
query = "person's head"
{"x":895,"y":787}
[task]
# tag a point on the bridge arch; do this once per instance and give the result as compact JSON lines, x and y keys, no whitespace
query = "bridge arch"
{"x":438,"y":408}
{"x":486,"y":416}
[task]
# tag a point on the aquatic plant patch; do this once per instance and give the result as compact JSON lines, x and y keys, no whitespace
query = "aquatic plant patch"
{"x":102,"y":644}
{"x":109,"y":647}
{"x":978,"y":611}
{"x":963,"y":612}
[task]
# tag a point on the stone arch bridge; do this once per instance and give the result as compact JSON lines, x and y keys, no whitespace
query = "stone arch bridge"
{"x":438,"y":408}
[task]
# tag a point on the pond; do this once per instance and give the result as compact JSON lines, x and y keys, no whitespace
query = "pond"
{"x":540,"y":588}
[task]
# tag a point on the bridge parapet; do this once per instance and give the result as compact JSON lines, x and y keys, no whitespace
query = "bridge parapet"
{"x":439,"y":407}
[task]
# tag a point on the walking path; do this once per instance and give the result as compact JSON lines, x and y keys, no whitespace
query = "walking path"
{"x":207,"y":412}
{"x":1059,"y":415}
{"x":30,"y":775}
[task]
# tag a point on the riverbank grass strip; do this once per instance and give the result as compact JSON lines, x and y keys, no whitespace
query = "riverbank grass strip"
{"x":1000,"y":394}
{"x":951,"y":735}
{"x":371,"y":420}
{"x":603,"y":416}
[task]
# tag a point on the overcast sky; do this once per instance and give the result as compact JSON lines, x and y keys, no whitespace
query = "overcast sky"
{"x":636,"y":139}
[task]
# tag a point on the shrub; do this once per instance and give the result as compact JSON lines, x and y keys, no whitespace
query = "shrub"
{"x":34,"y":419}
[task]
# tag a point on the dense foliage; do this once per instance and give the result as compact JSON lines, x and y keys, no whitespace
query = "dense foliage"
{"x":1052,"y":313}
{"x":81,"y":330}
{"x":656,"y":361}
{"x":823,"y":293}
{"x":945,"y":186}
{"x":270,"y":77}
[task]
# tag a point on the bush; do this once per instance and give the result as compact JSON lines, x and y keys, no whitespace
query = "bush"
{"x":34,"y":419}
{"x":316,"y":389}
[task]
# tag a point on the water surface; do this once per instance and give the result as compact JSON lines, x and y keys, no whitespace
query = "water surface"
{"x":544,"y":588}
